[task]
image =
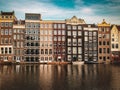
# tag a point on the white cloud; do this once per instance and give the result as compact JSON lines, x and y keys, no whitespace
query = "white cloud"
{"x":50,"y":11}
{"x":87,"y":10}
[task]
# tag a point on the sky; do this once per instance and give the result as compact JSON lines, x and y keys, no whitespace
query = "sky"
{"x":92,"y":11}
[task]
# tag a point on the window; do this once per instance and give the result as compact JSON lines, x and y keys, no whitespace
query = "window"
{"x":42,"y":51}
{"x":45,"y":32}
{"x":6,"y":24}
{"x":79,"y":27}
{"x":86,"y":38}
{"x":100,"y":35}
{"x":112,"y":39}
{"x":59,"y":38}
{"x":6,"y":32}
{"x":74,"y":33}
{"x":50,"y":38}
{"x":104,"y":43}
{"x":94,"y":33}
{"x":59,"y":32}
{"x":104,"y":58}
{"x":112,"y":45}
{"x":14,"y":30}
{"x":86,"y":33}
{"x":59,"y":26}
{"x":79,"y":33}
{"x":41,"y":32}
{"x":100,"y":57}
{"x":69,"y":50}
{"x":79,"y":42}
{"x":10,"y":50}
{"x":55,"y":25}
{"x":79,"y":57}
{"x":107,"y":42}
{"x":6,"y":40}
{"x":104,"y":50}
{"x":69,"y":27}
{"x":69,"y":33}
{"x":2,"y":50}
{"x":63,"y":26}
{"x":63,"y":32}
{"x":100,"y":43}
{"x":100,"y":50}
{"x":55,"y":38}
{"x":45,"y":38}
{"x":46,"y":51}
{"x":108,"y":50}
{"x":74,"y":50}
{"x":6,"y":50}
{"x":74,"y":42}
{"x":50,"y":51}
{"x":79,"y":50}
{"x":50,"y":32}
{"x":46,"y":58}
{"x":42,"y":58}
{"x":90,"y":33}
{"x":74,"y":27}
{"x":69,"y":57}
{"x":63,"y":38}
{"x":69,"y":42}
{"x":55,"y":32}
{"x":116,"y":45}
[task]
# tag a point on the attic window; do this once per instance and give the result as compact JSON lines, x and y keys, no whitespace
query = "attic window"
{"x":6,"y":16}
{"x":89,"y":26}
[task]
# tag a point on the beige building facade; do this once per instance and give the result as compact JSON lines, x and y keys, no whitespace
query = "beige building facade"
{"x":46,"y":41}
{"x":104,"y":42}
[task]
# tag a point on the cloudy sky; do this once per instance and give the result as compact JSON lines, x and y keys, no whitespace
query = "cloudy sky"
{"x":92,"y":11}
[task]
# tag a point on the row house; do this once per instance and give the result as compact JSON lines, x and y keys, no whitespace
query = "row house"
{"x":104,"y":42}
{"x":90,"y":42}
{"x":6,"y":36}
{"x":74,"y":39}
{"x":115,"y":43}
{"x":59,"y":40}
{"x":18,"y":40}
{"x":46,"y":41}
{"x":32,"y":37}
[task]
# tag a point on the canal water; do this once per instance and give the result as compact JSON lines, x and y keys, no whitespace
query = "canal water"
{"x":60,"y":77}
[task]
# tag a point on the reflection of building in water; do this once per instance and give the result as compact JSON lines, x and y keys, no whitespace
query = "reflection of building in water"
{"x":74,"y":73}
{"x":115,"y":74}
{"x":45,"y":76}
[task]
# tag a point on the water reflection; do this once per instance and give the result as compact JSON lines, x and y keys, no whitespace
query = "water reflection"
{"x":59,"y":77}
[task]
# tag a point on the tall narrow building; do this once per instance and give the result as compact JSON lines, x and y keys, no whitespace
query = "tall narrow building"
{"x":104,"y":42}
{"x":90,"y":43}
{"x":6,"y":36}
{"x":59,"y":40}
{"x":46,"y":41}
{"x":115,"y":43}
{"x":18,"y":40}
{"x":74,"y":39}
{"x":32,"y":37}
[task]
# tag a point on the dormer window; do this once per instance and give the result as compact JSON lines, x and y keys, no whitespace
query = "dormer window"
{"x":6,"y":16}
{"x":89,"y":26}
